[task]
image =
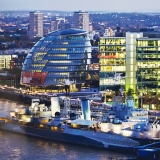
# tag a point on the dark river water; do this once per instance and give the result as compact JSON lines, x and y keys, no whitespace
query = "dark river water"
{"x":20,"y":147}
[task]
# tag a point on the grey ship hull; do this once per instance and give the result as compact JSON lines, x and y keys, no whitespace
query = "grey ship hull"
{"x":58,"y":136}
{"x":71,"y":138}
{"x":63,"y":137}
{"x":145,"y":141}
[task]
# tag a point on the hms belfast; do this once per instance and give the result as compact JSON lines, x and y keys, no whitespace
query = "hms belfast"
{"x":120,"y":127}
{"x":50,"y":123}
{"x":108,"y":131}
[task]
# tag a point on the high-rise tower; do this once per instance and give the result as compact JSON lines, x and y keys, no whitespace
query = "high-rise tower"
{"x":81,"y":20}
{"x":35,"y":25}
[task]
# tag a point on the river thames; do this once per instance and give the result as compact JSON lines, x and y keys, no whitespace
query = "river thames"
{"x":20,"y":147}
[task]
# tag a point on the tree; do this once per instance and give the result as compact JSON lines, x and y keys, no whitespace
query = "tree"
{"x":130,"y":92}
{"x":147,"y":99}
{"x":95,"y":76}
{"x":16,"y":76}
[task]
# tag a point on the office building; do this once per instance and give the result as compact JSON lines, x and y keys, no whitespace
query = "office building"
{"x":60,"y":55}
{"x":54,"y":25}
{"x":35,"y":25}
{"x":81,"y":20}
{"x":112,"y":61}
{"x":14,"y":58}
{"x":18,"y":60}
{"x":109,"y":32}
{"x":148,"y":72}
{"x":5,"y":61}
{"x":118,"y":62}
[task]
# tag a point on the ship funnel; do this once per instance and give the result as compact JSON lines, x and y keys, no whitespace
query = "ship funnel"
{"x":55,"y":107}
{"x":86,"y":113}
{"x":130,"y":101}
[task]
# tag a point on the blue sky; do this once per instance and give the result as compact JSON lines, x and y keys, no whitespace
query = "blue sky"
{"x":87,"y":5}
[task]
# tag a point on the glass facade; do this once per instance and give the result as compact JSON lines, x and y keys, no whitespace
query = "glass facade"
{"x":112,"y":61}
{"x":5,"y":61}
{"x":59,"y":55}
{"x":118,"y":63}
{"x":148,"y":70}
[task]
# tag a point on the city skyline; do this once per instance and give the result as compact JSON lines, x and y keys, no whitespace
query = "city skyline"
{"x":90,"y":5}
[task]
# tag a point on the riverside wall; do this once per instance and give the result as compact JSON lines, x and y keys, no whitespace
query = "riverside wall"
{"x":21,"y":98}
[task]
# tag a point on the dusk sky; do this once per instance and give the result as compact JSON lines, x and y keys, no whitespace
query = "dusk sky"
{"x":87,"y":5}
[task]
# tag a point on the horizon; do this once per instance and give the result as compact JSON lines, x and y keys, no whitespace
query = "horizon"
{"x":104,"y":12}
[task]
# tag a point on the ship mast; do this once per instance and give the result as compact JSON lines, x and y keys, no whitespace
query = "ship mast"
{"x":67,"y":84}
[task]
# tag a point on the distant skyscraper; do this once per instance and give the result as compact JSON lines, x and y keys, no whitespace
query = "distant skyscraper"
{"x":35,"y":25}
{"x":54,"y":25}
{"x":81,"y":20}
{"x":109,"y":32}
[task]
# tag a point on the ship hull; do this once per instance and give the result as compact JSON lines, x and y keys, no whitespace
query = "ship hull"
{"x":58,"y":136}
{"x":145,"y":141}
{"x":63,"y":137}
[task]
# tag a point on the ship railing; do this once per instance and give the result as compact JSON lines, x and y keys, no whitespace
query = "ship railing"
{"x":155,"y":122}
{"x":86,"y":128}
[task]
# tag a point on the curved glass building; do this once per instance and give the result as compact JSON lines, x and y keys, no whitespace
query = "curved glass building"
{"x":60,"y":55}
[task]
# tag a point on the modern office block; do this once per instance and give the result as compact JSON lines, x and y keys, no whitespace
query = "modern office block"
{"x":5,"y":61}
{"x":118,"y":65}
{"x":56,"y":57}
{"x":112,"y":61}
{"x":148,"y":72}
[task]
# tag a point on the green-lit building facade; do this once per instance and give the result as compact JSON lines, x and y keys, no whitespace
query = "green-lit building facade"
{"x":148,"y":71}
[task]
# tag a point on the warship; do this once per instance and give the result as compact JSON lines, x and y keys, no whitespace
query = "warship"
{"x":120,"y":126}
